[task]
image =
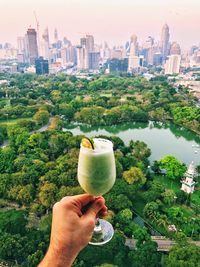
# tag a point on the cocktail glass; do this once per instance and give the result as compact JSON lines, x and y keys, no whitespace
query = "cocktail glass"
{"x":96,"y":175}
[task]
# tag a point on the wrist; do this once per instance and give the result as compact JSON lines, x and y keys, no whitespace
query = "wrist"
{"x":58,"y":257}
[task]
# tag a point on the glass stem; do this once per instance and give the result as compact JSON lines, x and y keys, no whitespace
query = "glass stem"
{"x":97,"y":228}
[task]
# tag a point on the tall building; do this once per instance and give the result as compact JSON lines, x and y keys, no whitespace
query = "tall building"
{"x":32,"y":47}
{"x":90,"y":43}
{"x":175,"y":49}
{"x":117,"y":65}
{"x":94,"y":58}
{"x":82,"y":58}
{"x":172,"y":65}
{"x":20,"y":44}
{"x":45,"y":44}
{"x":86,"y":47}
{"x":55,"y":35}
{"x":68,"y":55}
{"x":165,"y":41}
{"x":134,"y":45}
{"x":42,"y":66}
{"x":157,"y":59}
{"x":133,"y":64}
{"x":133,"y":59}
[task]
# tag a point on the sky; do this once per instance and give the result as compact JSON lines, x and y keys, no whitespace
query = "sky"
{"x":111,"y":20}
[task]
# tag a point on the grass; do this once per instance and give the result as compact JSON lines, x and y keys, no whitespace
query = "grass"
{"x":176,"y":186}
{"x":106,"y":94}
{"x":169,"y":184}
{"x":12,"y":121}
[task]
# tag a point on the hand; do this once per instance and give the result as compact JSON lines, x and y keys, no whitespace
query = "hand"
{"x":72,"y":228}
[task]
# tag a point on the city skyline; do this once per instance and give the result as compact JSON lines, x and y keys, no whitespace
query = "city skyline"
{"x":111,"y":21}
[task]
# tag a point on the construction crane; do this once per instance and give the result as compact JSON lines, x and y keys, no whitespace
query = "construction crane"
{"x":38,"y":32}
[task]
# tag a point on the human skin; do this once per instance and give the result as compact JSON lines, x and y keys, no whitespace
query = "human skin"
{"x":73,"y":223}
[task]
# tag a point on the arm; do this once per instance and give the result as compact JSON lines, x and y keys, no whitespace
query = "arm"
{"x":72,"y":228}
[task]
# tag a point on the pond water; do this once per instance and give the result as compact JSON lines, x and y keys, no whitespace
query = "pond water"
{"x":162,"y":139}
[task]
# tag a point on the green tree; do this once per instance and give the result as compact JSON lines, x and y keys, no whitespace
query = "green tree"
{"x":146,"y":255}
{"x":41,"y":117}
{"x":151,"y":210}
{"x":174,"y":168}
{"x":134,"y":176}
{"x":183,"y":256}
{"x":169,"y":196}
{"x":48,"y":194}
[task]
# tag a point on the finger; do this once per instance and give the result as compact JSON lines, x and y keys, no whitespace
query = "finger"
{"x":94,"y":209}
{"x":80,"y":200}
{"x":103,"y":212}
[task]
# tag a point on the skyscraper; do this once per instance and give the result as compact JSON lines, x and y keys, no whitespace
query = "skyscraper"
{"x":55,"y":35}
{"x":82,"y":58}
{"x":42,"y":66}
{"x":90,"y":43}
{"x":172,"y":65}
{"x":94,"y":58}
{"x":86,"y":47}
{"x":133,"y":59}
{"x":45,"y":44}
{"x":175,"y":49}
{"x":32,"y":46}
{"x":165,"y":41}
{"x":20,"y":44}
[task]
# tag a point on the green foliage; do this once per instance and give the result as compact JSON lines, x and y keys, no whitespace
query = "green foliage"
{"x":183,"y":256}
{"x":146,"y":256}
{"x":37,"y":169}
{"x":134,"y":176}
{"x":13,"y":221}
{"x":174,"y":168}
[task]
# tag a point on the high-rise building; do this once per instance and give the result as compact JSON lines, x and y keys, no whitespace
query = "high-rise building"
{"x":45,"y":44}
{"x":32,"y":47}
{"x":118,"y":65}
{"x":68,"y":55}
{"x":42,"y":66}
{"x":82,"y":58}
{"x":172,"y":65}
{"x":20,"y":44}
{"x":165,"y":41}
{"x":86,"y":46}
{"x":175,"y":49}
{"x":90,"y":43}
{"x":133,"y":45}
{"x":94,"y":58}
{"x":133,"y":59}
{"x":157,"y":59}
{"x":133,"y":63}
{"x":55,"y":35}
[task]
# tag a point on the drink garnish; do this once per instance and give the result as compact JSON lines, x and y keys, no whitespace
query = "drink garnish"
{"x":87,"y":143}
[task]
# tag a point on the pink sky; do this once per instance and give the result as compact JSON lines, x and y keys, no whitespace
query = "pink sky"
{"x":111,"y":20}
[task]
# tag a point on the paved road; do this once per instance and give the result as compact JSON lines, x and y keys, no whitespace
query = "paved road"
{"x":164,"y":244}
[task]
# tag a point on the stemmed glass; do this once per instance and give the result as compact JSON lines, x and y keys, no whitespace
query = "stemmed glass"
{"x":96,"y":175}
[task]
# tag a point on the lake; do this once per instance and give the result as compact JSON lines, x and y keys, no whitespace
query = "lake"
{"x":162,"y":139}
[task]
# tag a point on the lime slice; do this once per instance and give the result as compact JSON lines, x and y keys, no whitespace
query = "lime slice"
{"x":87,"y":143}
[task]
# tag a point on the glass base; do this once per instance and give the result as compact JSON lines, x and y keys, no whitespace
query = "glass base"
{"x":102,"y":233}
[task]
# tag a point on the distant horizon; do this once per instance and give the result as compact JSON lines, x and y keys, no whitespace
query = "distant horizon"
{"x":110,"y":21}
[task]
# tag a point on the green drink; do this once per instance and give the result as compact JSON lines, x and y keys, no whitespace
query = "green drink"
{"x":96,"y":175}
{"x":96,"y":169}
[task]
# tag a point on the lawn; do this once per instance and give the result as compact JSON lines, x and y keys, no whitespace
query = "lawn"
{"x":176,"y":186}
{"x":169,"y":184}
{"x":106,"y":94}
{"x":12,"y":121}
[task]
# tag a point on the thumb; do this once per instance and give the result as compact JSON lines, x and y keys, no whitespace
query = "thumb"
{"x":94,"y":209}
